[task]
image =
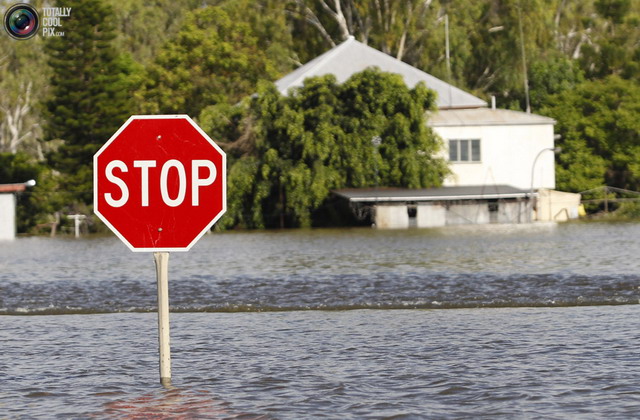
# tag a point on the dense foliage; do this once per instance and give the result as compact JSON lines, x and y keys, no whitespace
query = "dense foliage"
{"x":35,"y":205}
{"x":368,"y":131}
{"x":61,"y":98}
{"x":600,"y":130}
{"x":212,"y":59}
{"x":89,"y":97}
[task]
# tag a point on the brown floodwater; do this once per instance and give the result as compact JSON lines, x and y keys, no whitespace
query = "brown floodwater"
{"x":469,"y":322}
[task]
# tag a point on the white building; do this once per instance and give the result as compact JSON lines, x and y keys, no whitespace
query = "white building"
{"x":487,"y":146}
{"x":488,"y":149}
{"x":8,"y":210}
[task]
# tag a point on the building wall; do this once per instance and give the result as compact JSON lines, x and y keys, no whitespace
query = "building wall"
{"x":7,"y":217}
{"x":468,"y":214}
{"x":430,"y":215}
{"x":552,"y":205}
{"x":514,"y":212}
{"x":507,"y":155}
{"x":391,"y":216}
{"x":557,"y":206}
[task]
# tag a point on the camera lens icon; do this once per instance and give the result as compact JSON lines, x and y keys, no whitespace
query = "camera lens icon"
{"x":21,"y":21}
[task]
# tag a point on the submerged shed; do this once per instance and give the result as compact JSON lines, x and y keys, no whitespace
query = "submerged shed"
{"x":8,"y":209}
{"x":433,"y":207}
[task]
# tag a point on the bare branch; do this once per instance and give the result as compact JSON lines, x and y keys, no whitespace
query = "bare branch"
{"x":338,"y":16}
{"x":12,"y":131}
{"x":311,"y":18}
{"x":364,"y":25}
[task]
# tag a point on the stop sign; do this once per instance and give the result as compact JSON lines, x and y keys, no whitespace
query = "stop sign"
{"x":159,"y":183}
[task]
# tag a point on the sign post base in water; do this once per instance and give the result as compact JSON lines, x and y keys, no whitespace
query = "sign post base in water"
{"x":162,"y":272}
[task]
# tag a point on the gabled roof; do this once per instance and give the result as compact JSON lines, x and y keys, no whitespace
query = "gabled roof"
{"x":352,"y":57}
{"x":484,"y":116}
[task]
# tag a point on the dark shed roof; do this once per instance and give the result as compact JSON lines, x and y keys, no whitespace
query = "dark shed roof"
{"x":481,"y":192}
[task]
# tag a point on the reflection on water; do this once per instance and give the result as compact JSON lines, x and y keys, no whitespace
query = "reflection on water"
{"x":174,"y":404}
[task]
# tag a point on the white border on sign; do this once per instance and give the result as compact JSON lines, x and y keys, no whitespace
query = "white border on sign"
{"x":95,"y":182}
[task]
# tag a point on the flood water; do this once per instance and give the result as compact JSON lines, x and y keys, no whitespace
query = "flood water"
{"x":465,"y":322}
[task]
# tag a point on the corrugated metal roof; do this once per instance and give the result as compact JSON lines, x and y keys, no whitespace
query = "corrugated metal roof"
{"x":352,"y":57}
{"x":486,"y":192}
{"x":484,"y":116}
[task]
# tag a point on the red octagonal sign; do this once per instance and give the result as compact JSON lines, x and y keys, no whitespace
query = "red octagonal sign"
{"x":159,"y":183}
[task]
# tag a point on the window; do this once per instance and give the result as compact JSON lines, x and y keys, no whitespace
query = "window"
{"x":464,"y":150}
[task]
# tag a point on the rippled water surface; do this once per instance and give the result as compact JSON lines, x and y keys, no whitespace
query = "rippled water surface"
{"x":498,"y":321}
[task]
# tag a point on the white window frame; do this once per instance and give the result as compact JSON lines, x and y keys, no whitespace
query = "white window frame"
{"x":457,"y":143}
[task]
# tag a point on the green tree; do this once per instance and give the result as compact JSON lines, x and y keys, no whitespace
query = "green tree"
{"x":36,"y":204}
{"x":550,"y":77}
{"x":143,"y":27}
{"x":485,"y":42}
{"x":213,"y":59}
{"x":368,"y":131}
{"x":485,"y":46}
{"x":268,"y":20}
{"x":90,"y":91}
{"x":23,"y":81}
{"x":600,"y":130}
{"x":614,"y":46}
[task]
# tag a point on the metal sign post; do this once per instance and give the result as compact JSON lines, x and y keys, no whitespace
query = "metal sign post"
{"x":162,"y":272}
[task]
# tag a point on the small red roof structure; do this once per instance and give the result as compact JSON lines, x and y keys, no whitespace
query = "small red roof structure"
{"x":11,"y":188}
